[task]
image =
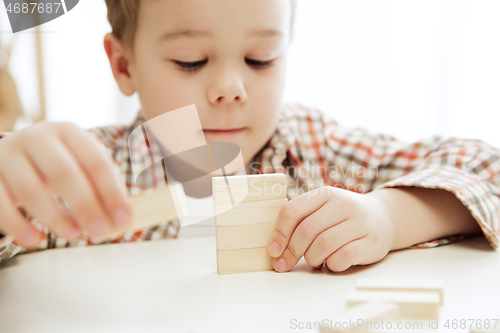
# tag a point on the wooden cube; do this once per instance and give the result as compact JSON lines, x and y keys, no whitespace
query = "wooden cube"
{"x":488,"y":330}
{"x":247,"y":213}
{"x":236,"y":189}
{"x":244,"y":236}
{"x":152,"y":207}
{"x":421,"y":305}
{"x":426,"y":285}
{"x":243,"y":261}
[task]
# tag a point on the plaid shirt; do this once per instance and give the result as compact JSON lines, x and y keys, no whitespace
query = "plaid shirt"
{"x":314,"y":150}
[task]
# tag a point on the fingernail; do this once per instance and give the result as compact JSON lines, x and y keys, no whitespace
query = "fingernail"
{"x":280,"y":265}
{"x":72,"y":232}
{"x":120,"y":217}
{"x":98,"y":228}
{"x":29,"y":237}
{"x":274,"y":249}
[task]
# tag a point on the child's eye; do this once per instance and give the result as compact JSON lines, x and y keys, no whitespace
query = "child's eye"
{"x":258,"y":63}
{"x":190,"y":66}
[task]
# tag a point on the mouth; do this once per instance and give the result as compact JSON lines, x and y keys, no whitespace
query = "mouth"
{"x":231,"y":131}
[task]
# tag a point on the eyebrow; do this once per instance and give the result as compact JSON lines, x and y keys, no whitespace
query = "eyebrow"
{"x":265,"y":33}
{"x":196,"y":34}
{"x":184,"y":34}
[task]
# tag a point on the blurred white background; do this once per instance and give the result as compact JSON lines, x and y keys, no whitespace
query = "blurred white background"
{"x":407,"y":68}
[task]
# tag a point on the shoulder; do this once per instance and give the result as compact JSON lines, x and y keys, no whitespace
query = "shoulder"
{"x":301,"y":124}
{"x":303,"y":112}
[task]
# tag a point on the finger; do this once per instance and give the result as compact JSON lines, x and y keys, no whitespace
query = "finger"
{"x":31,"y":193}
{"x":292,"y":213}
{"x":350,"y":254}
{"x":13,"y":223}
{"x":331,"y":240}
{"x":97,"y":165}
{"x":64,"y":176}
{"x":307,"y":231}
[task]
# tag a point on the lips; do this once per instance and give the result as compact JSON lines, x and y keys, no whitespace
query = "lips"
{"x":231,"y":131}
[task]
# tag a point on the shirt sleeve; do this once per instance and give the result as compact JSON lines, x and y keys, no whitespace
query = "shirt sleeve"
{"x":8,"y":248}
{"x":470,"y":169}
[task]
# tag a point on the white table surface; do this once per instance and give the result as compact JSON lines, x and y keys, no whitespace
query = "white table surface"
{"x":173,"y":286}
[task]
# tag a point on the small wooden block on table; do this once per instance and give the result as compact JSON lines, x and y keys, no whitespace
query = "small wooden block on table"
{"x":421,"y":305}
{"x":247,"y":209}
{"x":496,"y":329}
{"x":152,"y":207}
{"x":425,"y":285}
{"x":388,"y":299}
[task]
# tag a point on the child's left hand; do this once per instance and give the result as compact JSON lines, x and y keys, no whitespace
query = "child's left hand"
{"x":332,"y":225}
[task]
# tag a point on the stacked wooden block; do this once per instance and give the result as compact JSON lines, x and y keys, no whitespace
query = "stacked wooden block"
{"x":391,"y":299}
{"x":247,"y":209}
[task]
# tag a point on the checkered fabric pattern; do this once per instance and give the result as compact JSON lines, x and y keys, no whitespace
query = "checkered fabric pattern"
{"x":314,"y":150}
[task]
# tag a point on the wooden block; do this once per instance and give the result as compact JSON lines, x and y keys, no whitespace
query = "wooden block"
{"x":244,"y":236}
{"x":422,"y":305}
{"x":257,"y":212}
{"x":425,"y":285}
{"x":486,"y":330}
{"x":243,"y":261}
{"x":236,"y":189}
{"x":152,"y":207}
{"x":246,"y":209}
{"x":361,"y":314}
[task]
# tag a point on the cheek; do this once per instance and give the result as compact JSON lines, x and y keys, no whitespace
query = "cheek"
{"x":268,"y":96}
{"x":264,"y":121}
{"x":161,"y":90}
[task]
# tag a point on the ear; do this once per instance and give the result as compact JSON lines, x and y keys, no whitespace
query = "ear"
{"x":119,"y":62}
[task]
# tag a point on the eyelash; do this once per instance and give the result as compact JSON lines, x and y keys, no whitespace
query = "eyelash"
{"x":190,"y":66}
{"x":193,"y":66}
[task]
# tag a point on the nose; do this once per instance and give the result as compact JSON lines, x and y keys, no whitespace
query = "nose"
{"x":227,"y":88}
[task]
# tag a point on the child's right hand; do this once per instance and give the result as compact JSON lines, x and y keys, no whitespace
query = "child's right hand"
{"x":60,"y":159}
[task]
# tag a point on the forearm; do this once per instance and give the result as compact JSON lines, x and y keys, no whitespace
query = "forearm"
{"x":422,"y":214}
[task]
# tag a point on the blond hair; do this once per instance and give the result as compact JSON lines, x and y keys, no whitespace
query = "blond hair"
{"x":123,"y":16}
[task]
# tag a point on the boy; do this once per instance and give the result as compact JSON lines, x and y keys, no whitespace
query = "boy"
{"x":228,"y":57}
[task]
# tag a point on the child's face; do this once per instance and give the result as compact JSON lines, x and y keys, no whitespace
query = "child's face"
{"x":225,"y":56}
